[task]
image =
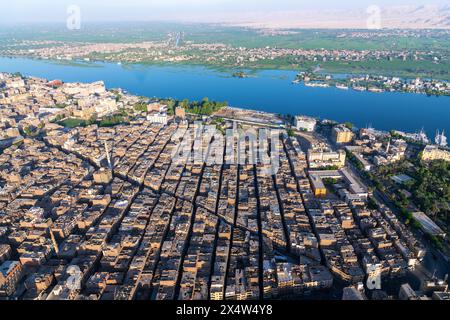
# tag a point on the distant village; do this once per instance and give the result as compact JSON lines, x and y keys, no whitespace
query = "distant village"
{"x":376,"y":84}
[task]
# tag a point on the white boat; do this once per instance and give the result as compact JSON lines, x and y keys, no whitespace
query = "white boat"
{"x":441,"y":139}
{"x":422,"y":137}
{"x":376,"y":90}
{"x":313,"y":84}
{"x":342,"y":87}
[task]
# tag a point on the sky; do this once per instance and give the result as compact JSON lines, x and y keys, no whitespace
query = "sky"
{"x":31,"y":11}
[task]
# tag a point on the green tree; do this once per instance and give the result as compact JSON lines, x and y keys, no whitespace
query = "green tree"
{"x":290,"y":132}
{"x":349,"y":125}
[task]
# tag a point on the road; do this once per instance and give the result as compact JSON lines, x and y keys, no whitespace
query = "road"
{"x":434,"y":262}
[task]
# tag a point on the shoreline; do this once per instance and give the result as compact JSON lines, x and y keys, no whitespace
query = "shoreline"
{"x":229,"y":69}
{"x":323,"y":106}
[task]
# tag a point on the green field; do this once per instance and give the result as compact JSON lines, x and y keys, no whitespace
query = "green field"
{"x":433,"y":42}
{"x":234,"y":36}
{"x":72,"y":123}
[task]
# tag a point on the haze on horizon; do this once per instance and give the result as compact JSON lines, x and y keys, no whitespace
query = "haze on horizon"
{"x":256,"y":13}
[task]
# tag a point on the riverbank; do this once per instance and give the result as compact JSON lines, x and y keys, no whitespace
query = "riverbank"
{"x":270,"y":91}
{"x":391,"y":68}
{"x":376,"y":84}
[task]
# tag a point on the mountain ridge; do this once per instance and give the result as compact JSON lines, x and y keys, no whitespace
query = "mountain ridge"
{"x":394,"y":17}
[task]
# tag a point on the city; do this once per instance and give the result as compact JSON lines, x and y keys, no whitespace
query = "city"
{"x":224,"y":158}
{"x":153,"y":204}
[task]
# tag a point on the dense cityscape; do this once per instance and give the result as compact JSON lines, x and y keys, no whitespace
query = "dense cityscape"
{"x":224,"y":158}
{"x":109,"y":196}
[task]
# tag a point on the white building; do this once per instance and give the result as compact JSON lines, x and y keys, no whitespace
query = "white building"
{"x":158,"y":118}
{"x":106,"y":107}
{"x":305,"y":123}
{"x":84,"y":89}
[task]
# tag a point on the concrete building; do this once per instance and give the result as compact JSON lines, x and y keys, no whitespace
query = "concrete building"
{"x":158,"y":118}
{"x":441,"y":296}
{"x":353,"y":294}
{"x":407,"y":293}
{"x":103,"y":176}
{"x":5,"y":252}
{"x":355,"y":190}
{"x":156,"y":107}
{"x":428,"y":225}
{"x":10,"y":273}
{"x":431,"y":153}
{"x":105,"y":107}
{"x":180,"y":113}
{"x":434,"y":285}
{"x":305,"y":123}
{"x":342,"y":135}
{"x":318,"y":186}
{"x":322,"y":158}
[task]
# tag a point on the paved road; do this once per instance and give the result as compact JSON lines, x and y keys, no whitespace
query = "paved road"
{"x":434,"y":262}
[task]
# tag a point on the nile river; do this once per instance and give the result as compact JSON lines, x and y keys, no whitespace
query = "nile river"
{"x":270,"y":91}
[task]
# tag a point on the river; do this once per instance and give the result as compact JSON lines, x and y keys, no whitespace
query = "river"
{"x":269,"y":90}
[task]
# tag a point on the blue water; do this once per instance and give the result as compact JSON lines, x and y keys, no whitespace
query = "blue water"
{"x":270,"y":91}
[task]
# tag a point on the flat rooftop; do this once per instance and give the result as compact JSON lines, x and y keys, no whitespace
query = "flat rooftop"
{"x":401,"y":178}
{"x":428,"y":225}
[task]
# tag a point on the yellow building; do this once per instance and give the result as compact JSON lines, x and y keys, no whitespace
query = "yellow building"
{"x":431,"y":153}
{"x":326,"y":158}
{"x":342,"y":134}
{"x":180,"y":113}
{"x":103,"y":176}
{"x":10,"y":273}
{"x":318,"y":186}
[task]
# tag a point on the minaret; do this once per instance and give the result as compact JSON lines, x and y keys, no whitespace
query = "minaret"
{"x":108,"y":156}
{"x":443,"y":139}
{"x":388,"y":146}
{"x":55,"y":244}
